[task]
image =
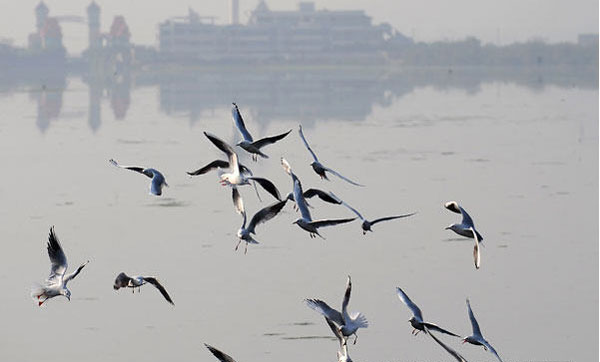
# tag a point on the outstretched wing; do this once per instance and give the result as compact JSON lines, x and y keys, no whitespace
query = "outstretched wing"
{"x":409,"y":303}
{"x":58,"y":260}
{"x":346,"y":299}
{"x":328,"y":312}
{"x":325,"y":196}
{"x":220,"y":355}
{"x":75,"y":273}
{"x":225,"y":147}
{"x":342,"y":177}
{"x":434,"y":327}
{"x":268,"y":186}
{"x":270,"y":140}
{"x":491,"y":349}
{"x":330,"y":222}
{"x":160,"y":288}
{"x":452,"y":352}
{"x":239,"y":123}
{"x":306,"y":143}
{"x":211,"y":166}
{"x":476,"y":250}
{"x":391,"y":218}
{"x":300,"y":201}
{"x":348,"y":206}
{"x":474,"y":324}
{"x":138,"y":169}
{"x":265,"y":214}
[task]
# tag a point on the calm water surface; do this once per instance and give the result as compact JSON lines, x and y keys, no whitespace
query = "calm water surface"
{"x":522,"y":160}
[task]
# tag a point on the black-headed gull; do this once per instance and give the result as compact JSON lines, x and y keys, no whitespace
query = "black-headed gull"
{"x":366,"y":224}
{"x":125,"y":281}
{"x":318,"y":167}
{"x":347,"y":324}
{"x":157,"y":182}
{"x":56,"y":284}
{"x":477,"y":337}
{"x":417,"y":319}
{"x":249,"y":144}
{"x":466,"y":224}
{"x":264,"y":215}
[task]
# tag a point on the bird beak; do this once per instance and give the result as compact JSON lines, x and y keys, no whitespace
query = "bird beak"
{"x":447,"y":227}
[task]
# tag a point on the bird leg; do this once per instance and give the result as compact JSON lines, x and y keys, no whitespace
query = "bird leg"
{"x":355,"y":338}
{"x":246,"y":249}
{"x":238,"y":244}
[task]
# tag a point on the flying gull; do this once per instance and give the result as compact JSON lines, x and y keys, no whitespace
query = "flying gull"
{"x":248,"y":144}
{"x":125,"y":281}
{"x":220,"y":355}
{"x":306,"y":222}
{"x":366,"y":224}
{"x":319,"y":168}
{"x":347,"y":324}
{"x":264,"y":215}
{"x":236,"y":176}
{"x":452,"y":352}
{"x":477,"y":338}
{"x":157,"y":182}
{"x":466,"y":226}
{"x":417,"y":320}
{"x":56,"y":284}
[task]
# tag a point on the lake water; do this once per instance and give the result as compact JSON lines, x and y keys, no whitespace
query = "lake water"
{"x":521,"y":155}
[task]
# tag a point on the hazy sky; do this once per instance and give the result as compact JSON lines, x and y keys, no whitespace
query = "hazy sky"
{"x":427,"y":20}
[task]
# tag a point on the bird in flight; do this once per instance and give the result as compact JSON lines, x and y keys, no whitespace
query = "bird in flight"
{"x":125,"y":281}
{"x":56,"y":284}
{"x":157,"y":182}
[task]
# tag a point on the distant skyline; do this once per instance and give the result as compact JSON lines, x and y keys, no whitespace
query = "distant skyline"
{"x":496,"y":22}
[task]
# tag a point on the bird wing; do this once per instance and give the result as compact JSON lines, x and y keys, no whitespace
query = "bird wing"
{"x":160,"y":288}
{"x":269,"y":140}
{"x":474,"y":324}
{"x":346,"y":299}
{"x":306,"y":143}
{"x":239,"y":123}
{"x":211,"y":166}
{"x":409,"y":303}
{"x":220,"y":355}
{"x":452,"y":352}
{"x":491,"y":349}
{"x":268,"y":186}
{"x":265,"y":214}
{"x":329,"y":222}
{"x":157,"y":183}
{"x":342,"y":177}
{"x":348,"y":206}
{"x":75,"y":273}
{"x":435,"y":327}
{"x":336,"y":331}
{"x":325,"y":196}
{"x":227,"y":149}
{"x":453,"y":206}
{"x":300,"y":201}
{"x":391,"y":218}
{"x":476,"y":250}
{"x":328,"y":312}
{"x":466,"y":220}
{"x":58,"y":260}
{"x":138,"y":169}
{"x":238,"y":202}
{"x":286,"y":166}
{"x":122,"y":280}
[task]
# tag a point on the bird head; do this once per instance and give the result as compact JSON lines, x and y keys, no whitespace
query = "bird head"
{"x":66,"y":293}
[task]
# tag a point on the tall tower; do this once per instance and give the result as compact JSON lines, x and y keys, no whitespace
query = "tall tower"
{"x":95,"y":39}
{"x":41,"y":14}
{"x":234,"y":12}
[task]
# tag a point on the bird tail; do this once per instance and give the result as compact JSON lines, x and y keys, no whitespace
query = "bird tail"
{"x":360,"y":320}
{"x":37,"y":291}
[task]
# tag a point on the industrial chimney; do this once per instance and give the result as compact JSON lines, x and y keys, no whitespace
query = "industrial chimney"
{"x":234,"y":12}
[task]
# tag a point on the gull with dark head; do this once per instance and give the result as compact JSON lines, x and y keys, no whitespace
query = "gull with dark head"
{"x":264,"y":215}
{"x":56,"y":284}
{"x":318,"y":167}
{"x":249,"y":144}
{"x":220,"y":355}
{"x":366,"y":224}
{"x":477,"y":337}
{"x":157,"y":182}
{"x":346,"y":324}
{"x":417,"y":319}
{"x":235,"y":176}
{"x":466,"y":226}
{"x":125,"y":281}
